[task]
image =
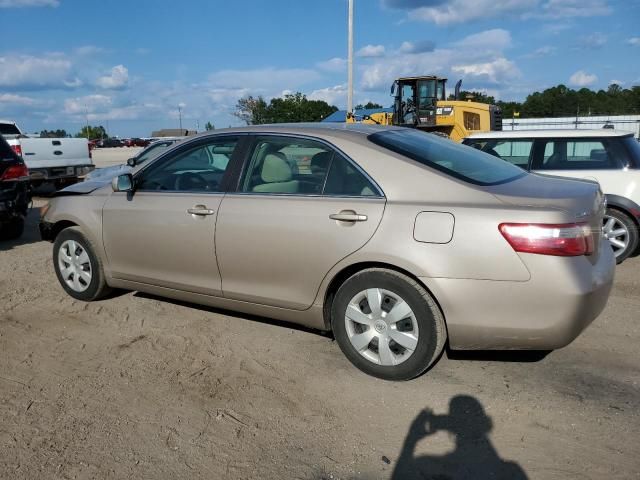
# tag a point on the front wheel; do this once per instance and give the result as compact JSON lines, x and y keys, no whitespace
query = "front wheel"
{"x":387,"y":324}
{"x":78,"y":268}
{"x":622,"y":233}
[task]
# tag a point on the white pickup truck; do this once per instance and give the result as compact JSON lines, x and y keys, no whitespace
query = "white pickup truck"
{"x":59,"y":161}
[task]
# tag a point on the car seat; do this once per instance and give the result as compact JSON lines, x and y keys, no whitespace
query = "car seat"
{"x":277,"y":175}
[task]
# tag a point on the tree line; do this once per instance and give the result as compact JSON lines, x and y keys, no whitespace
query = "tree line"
{"x":561,"y":101}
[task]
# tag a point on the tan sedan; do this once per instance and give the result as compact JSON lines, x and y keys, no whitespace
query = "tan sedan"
{"x":396,"y":240}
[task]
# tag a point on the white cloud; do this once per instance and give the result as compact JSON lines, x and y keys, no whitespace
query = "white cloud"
{"x":461,"y":11}
{"x":87,"y":104}
{"x":28,"y":3}
{"x":616,"y":82}
{"x":634,"y":41}
{"x":117,"y":78}
{"x":88,"y":50}
{"x":371,"y":51}
{"x":335,"y":64}
{"x":582,"y":79}
{"x":265,"y":79}
{"x":450,"y":12}
{"x":32,"y":73}
{"x":480,"y":56}
{"x":16,"y":99}
{"x":573,"y":8}
{"x":417,"y":47}
{"x":542,"y":52}
{"x":495,"y":39}
{"x":142,"y":51}
{"x":496,"y":71}
{"x":592,"y":41}
{"x":336,"y":95}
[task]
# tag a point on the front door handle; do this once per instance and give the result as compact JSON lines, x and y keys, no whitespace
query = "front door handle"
{"x":200,"y":210}
{"x":348,"y":216}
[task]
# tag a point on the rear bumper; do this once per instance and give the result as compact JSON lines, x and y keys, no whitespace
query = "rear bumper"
{"x":544,"y":313}
{"x":59,"y":173}
{"x":14,"y":201}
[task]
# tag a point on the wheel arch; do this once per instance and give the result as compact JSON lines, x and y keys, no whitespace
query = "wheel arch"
{"x":59,"y":226}
{"x":626,"y":206}
{"x":348,"y":271}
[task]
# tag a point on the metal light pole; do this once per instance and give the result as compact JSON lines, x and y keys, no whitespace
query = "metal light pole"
{"x":350,"y":61}
{"x":180,"y":115}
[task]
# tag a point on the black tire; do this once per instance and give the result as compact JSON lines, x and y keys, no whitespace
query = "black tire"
{"x":97,"y":287}
{"x":12,"y":229}
{"x":430,"y":321}
{"x":632,"y":237}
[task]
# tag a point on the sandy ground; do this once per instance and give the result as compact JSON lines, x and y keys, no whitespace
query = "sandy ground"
{"x":140,"y":387}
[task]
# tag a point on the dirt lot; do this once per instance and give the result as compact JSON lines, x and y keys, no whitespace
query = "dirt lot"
{"x":140,"y":387}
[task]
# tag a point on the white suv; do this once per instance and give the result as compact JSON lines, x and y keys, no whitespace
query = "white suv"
{"x":610,"y":157}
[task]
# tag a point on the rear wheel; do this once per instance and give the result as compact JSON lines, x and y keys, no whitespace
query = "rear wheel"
{"x":387,"y":324}
{"x":78,"y":268}
{"x":622,"y":233}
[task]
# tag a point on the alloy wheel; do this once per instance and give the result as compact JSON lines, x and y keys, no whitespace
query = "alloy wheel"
{"x":617,"y":233}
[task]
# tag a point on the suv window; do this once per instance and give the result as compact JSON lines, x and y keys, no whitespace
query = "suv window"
{"x":8,"y":129}
{"x":580,"y":154}
{"x":198,"y":169}
{"x":6,"y":153}
{"x":515,"y":151}
{"x":451,"y":158}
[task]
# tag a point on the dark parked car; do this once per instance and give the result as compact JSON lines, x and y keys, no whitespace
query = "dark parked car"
{"x":111,"y":142}
{"x":15,"y":192}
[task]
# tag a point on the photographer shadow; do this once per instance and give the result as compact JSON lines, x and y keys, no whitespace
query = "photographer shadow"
{"x":474,"y":456}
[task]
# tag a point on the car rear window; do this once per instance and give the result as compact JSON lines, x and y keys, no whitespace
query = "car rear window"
{"x":6,"y":153}
{"x":458,"y":161}
{"x":8,"y":129}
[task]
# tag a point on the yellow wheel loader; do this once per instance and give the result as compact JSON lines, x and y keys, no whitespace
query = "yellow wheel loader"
{"x":420,"y":102}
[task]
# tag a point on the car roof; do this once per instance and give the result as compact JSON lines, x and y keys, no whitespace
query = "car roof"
{"x":558,"y":133}
{"x":329,"y":129}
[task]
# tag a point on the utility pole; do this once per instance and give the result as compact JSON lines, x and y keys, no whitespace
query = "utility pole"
{"x":350,"y":61}
{"x":86,"y":109}
{"x":180,"y":114}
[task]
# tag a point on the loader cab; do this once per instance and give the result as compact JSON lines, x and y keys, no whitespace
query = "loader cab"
{"x":415,"y":100}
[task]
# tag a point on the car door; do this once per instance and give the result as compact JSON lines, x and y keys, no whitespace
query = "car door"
{"x":163,"y":234}
{"x":300,"y":207}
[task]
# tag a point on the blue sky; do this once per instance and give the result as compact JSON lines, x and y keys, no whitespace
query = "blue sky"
{"x":130,"y":64}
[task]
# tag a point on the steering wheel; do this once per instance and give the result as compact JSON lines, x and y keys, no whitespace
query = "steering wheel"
{"x":189,"y":181}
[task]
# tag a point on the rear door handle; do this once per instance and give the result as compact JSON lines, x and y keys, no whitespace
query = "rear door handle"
{"x":200,"y":210}
{"x":348,"y":216}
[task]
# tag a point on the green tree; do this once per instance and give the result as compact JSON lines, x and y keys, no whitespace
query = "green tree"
{"x":296,"y":107}
{"x":59,"y":133}
{"x":209,"y":126}
{"x":251,"y":110}
{"x":92,"y":133}
{"x":368,"y":106}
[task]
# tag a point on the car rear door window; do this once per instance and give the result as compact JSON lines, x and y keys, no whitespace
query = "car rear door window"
{"x":346,"y":180}
{"x":581,"y":154}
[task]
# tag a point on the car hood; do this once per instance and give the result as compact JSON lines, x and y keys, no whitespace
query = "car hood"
{"x":580,"y":197}
{"x":84,"y":187}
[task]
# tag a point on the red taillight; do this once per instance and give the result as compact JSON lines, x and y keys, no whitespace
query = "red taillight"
{"x":17,"y":149}
{"x":15,"y":171}
{"x":566,"y":240}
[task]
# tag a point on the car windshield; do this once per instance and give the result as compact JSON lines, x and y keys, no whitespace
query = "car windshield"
{"x":151,"y":152}
{"x":456,"y":160}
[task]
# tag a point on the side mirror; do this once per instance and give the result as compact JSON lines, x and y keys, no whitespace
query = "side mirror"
{"x":393,"y":88}
{"x":131,"y":162}
{"x":122,"y":183}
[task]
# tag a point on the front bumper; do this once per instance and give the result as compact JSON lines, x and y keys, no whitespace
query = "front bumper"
{"x":544,"y":313}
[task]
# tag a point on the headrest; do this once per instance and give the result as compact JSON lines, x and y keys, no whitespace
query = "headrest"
{"x":321,"y":160}
{"x":275,"y":168}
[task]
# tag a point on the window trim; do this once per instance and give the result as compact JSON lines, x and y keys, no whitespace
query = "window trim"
{"x":255,"y":138}
{"x":180,"y":148}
